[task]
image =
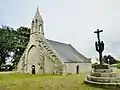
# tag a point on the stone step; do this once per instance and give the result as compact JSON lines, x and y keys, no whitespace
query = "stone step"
{"x":103,"y":70}
{"x":99,"y":83}
{"x":98,"y":66}
{"x":97,"y":74}
{"x":104,"y":79}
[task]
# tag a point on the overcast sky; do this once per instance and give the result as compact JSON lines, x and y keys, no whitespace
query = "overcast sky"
{"x":70,"y":21}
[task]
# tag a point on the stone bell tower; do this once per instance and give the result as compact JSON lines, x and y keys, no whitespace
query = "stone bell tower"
{"x":37,"y":24}
{"x":32,"y":60}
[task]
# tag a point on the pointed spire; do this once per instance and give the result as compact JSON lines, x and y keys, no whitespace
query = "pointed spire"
{"x":37,"y":9}
{"x":37,"y":15}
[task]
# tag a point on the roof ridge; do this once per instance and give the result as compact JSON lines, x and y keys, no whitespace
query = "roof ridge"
{"x":57,"y":41}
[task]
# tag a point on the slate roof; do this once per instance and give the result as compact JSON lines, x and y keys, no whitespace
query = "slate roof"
{"x":68,"y":53}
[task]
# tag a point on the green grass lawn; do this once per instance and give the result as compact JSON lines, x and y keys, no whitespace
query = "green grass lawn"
{"x":18,"y":81}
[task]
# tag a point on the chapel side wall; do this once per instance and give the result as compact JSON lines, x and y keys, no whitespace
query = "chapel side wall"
{"x":83,"y":67}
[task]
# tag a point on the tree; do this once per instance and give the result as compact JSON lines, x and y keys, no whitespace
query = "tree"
{"x":13,"y":41}
{"x":6,"y":43}
{"x":22,"y":38}
{"x":109,"y":59}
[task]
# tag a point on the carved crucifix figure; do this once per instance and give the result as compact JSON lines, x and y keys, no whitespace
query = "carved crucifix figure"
{"x":99,"y":45}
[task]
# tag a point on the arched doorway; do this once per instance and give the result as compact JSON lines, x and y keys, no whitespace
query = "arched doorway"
{"x":77,"y":69}
{"x":33,"y":69}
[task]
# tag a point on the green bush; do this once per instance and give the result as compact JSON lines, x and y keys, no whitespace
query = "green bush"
{"x":118,"y":65}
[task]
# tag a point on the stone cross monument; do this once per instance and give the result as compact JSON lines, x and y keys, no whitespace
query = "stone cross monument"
{"x":102,"y":74}
{"x":99,"y":45}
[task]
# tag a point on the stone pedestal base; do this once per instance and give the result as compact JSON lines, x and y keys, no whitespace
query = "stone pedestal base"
{"x":103,"y":74}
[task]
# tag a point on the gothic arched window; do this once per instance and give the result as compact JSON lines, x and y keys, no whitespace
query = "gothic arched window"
{"x":40,"y":27}
{"x":32,"y":22}
{"x":32,"y":25}
{"x":36,"y":20}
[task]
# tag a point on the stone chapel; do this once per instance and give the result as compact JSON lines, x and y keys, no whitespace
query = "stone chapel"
{"x":43,"y":56}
